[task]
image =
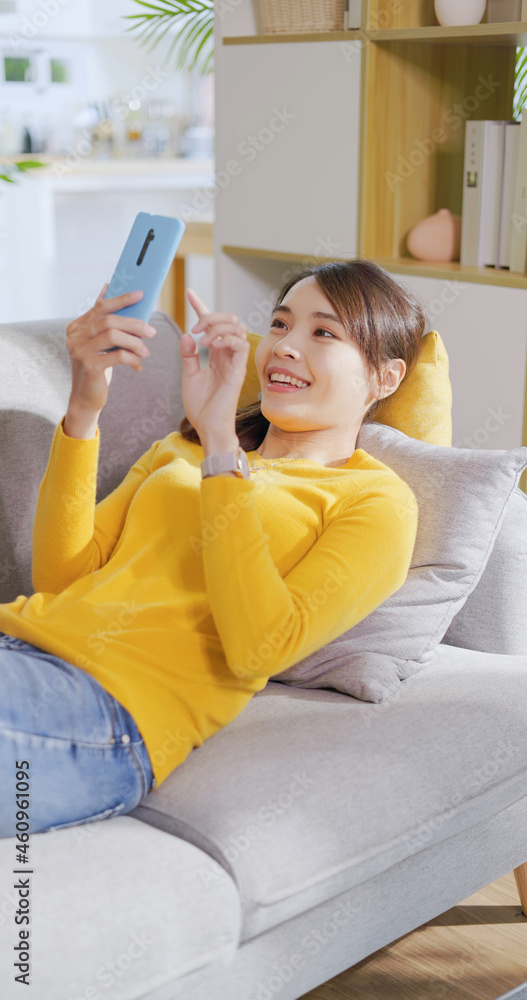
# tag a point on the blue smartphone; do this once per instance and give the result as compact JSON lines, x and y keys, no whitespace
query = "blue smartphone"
{"x":145,"y":261}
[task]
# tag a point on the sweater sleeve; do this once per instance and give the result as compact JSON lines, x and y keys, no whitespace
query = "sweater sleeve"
{"x":72,"y":535}
{"x":266,"y":623}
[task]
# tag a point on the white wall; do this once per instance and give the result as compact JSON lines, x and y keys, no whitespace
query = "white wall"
{"x":484,"y":329}
{"x":294,"y":159}
{"x":48,"y":18}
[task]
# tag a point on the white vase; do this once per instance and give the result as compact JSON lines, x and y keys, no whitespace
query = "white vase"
{"x":449,"y":12}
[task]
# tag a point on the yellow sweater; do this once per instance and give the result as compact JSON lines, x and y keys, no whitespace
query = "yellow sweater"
{"x":182,"y":597}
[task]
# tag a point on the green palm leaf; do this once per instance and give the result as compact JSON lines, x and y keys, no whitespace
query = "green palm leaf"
{"x":12,"y":169}
{"x":520,"y":82}
{"x":194,"y":38}
{"x":28,"y":164}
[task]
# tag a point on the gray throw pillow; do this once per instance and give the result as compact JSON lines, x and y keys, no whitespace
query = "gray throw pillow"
{"x":494,"y":617}
{"x":462,"y":495}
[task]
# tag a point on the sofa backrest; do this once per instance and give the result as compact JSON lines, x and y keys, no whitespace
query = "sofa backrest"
{"x":145,"y":407}
{"x":35,"y":386}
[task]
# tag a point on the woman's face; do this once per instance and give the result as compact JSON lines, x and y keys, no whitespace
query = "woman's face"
{"x":317,"y":350}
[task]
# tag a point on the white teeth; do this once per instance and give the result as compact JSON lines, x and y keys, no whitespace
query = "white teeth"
{"x":277,"y":377}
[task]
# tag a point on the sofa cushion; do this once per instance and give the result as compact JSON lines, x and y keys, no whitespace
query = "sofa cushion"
{"x":422,"y":405}
{"x":307,"y":793}
{"x":34,"y":392}
{"x":494,"y":616}
{"x":117,"y":909}
{"x":463,"y":495}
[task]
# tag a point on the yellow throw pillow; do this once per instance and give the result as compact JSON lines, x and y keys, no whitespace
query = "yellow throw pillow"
{"x":251,"y":385}
{"x":422,"y":405}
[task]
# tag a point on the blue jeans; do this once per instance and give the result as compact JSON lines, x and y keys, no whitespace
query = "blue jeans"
{"x":70,"y":753}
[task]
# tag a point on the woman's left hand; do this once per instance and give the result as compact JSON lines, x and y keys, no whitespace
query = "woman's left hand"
{"x":210,"y":395}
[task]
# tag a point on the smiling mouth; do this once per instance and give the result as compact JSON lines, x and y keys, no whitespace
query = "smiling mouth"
{"x":285,"y":385}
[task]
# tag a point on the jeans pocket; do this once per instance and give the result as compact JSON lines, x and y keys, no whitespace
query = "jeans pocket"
{"x":106,"y":814}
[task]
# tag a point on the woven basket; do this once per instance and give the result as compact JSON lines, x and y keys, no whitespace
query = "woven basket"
{"x":292,"y":16}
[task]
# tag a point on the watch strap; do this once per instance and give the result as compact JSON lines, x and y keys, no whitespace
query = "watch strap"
{"x":227,"y":461}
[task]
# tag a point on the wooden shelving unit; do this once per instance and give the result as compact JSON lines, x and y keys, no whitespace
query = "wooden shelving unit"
{"x":452,"y":270}
{"x":419,"y":83}
{"x":511,"y":34}
{"x":514,"y":34}
{"x":306,"y":36}
{"x":411,"y":92}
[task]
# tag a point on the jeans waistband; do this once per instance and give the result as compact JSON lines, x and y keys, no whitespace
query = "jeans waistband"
{"x":12,"y":641}
{"x":124,"y":723}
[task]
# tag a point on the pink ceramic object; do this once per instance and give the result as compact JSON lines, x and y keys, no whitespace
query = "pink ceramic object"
{"x":436,"y":238}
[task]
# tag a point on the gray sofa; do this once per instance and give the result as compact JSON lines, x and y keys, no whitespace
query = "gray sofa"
{"x":312,"y":830}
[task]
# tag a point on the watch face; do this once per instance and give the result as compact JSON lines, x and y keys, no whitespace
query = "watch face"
{"x":244,"y":463}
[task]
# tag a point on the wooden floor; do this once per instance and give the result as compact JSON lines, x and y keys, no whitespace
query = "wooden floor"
{"x":475,"y":951}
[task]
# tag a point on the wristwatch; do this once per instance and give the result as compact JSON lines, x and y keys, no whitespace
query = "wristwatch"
{"x":227,"y":461}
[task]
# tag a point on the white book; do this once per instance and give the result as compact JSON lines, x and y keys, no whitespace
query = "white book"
{"x":518,"y":238}
{"x":482,"y":178}
{"x":510,"y":161}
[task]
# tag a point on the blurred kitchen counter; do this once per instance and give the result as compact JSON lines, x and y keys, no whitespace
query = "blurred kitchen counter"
{"x":121,"y":173}
{"x":89,"y":163}
{"x":62,"y":230}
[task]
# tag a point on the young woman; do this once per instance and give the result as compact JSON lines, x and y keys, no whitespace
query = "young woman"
{"x":233,"y":548}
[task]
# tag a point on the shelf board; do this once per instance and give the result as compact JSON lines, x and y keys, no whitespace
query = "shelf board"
{"x":510,"y":33}
{"x":305,"y":36}
{"x":272,"y":254}
{"x":402,"y":265}
{"x":454,"y":271}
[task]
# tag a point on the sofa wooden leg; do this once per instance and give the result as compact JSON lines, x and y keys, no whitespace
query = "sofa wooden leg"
{"x":520,"y":874}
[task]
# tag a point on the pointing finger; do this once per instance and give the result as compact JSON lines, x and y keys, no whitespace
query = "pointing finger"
{"x":198,"y":306}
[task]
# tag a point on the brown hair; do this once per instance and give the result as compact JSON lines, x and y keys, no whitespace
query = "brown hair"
{"x":383,"y":319}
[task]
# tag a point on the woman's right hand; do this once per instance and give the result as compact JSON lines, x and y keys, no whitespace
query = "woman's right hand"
{"x":93,"y":333}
